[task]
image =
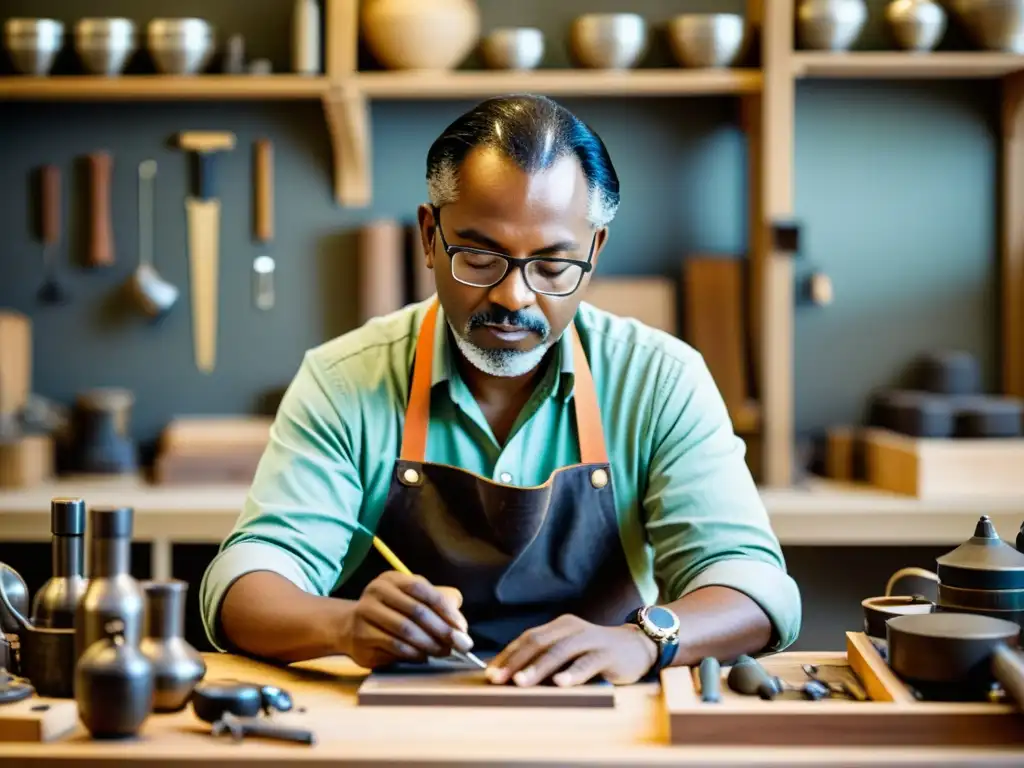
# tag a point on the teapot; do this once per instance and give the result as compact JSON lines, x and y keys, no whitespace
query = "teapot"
{"x":47,"y":656}
{"x":984,"y":575}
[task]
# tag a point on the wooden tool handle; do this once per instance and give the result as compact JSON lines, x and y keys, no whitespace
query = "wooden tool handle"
{"x":264,"y":190}
{"x":49,"y":214}
{"x":101,"y":239}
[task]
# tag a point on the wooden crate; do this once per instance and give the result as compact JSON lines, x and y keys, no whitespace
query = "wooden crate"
{"x":940,"y":467}
{"x":891,"y":717}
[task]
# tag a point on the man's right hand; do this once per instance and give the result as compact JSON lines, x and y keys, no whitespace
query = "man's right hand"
{"x":405,"y":618}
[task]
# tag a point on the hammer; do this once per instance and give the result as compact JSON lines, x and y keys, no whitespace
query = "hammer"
{"x":203,"y":211}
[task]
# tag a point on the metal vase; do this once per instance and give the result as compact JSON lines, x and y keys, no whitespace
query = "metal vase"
{"x":830,"y":25}
{"x":177,"y":666}
{"x":113,"y":686}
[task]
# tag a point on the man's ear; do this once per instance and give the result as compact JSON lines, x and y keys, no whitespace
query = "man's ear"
{"x":428,"y":229}
{"x":600,"y":240}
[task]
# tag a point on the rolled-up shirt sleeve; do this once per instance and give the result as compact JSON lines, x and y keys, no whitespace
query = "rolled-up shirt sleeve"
{"x":705,"y":519}
{"x":303,"y":505}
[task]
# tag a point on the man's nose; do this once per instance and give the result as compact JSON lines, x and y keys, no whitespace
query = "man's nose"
{"x":513,"y":293}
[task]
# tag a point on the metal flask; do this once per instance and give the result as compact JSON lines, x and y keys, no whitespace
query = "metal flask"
{"x":177,"y":666}
{"x":56,"y":602}
{"x":113,"y":685}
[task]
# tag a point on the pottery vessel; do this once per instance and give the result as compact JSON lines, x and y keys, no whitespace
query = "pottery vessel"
{"x":177,"y":666}
{"x":916,"y":25}
{"x":830,"y":25}
{"x":420,"y":34}
{"x":113,"y":686}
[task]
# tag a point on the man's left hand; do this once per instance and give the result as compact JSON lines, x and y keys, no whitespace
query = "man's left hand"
{"x":574,"y":651}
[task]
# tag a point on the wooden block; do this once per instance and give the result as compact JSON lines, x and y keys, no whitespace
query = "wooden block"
{"x":37,"y":720}
{"x":15,"y":362}
{"x":935,"y":468}
{"x":26,"y":461}
{"x":714,"y":322}
{"x":839,"y":449}
{"x":891,"y":716}
{"x":454,"y":684}
{"x":651,"y":300}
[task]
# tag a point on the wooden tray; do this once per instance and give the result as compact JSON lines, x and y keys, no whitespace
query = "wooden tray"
{"x":892,"y":716}
{"x":37,"y":719}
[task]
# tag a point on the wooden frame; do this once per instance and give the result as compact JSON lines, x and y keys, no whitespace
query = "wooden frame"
{"x":767,"y":96}
{"x":890,"y":717}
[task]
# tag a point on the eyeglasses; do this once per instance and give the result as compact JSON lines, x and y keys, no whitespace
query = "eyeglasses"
{"x":548,"y":275}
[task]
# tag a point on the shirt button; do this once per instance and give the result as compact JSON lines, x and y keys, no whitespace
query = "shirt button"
{"x":506,"y":478}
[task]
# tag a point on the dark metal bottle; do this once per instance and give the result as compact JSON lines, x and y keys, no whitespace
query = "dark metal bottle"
{"x":113,"y":686}
{"x":113,"y":594}
{"x":177,"y":666}
{"x":57,"y":600}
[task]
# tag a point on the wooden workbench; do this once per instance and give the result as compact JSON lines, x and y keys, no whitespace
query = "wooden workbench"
{"x":632,"y":734}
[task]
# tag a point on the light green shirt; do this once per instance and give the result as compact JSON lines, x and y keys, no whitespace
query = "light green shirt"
{"x":689,"y":512}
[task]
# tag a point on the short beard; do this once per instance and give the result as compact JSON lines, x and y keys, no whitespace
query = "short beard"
{"x":503,"y":362}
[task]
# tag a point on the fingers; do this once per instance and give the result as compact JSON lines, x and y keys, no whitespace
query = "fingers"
{"x":453,"y":595}
{"x":527,"y":649}
{"x":404,"y":629}
{"x":587,"y":666}
{"x":423,"y":616}
{"x":441,"y":604}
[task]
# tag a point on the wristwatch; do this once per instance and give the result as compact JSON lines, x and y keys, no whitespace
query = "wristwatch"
{"x":662,"y":626}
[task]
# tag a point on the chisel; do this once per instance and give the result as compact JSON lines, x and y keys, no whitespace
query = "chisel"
{"x":203,"y":212}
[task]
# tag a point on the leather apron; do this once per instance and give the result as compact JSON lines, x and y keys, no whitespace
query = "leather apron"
{"x":521,"y":557}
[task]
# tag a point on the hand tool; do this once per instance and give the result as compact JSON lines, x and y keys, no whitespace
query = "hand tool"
{"x":212,"y":698}
{"x":154,"y":295}
{"x":749,"y":678}
{"x":710,"y":680}
{"x":203,"y":211}
{"x":399,"y":566}
{"x":240,"y":727}
{"x":101,"y":228}
{"x":51,"y":291}
{"x":263,"y":265}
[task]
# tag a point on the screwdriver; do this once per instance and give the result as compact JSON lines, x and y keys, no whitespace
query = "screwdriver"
{"x":399,"y":566}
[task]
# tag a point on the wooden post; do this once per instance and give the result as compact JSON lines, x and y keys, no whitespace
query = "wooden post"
{"x":341,"y":35}
{"x":777,"y":114}
{"x":1012,"y":237}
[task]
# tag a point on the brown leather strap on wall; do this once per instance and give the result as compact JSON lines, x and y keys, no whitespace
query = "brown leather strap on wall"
{"x":417,"y":413}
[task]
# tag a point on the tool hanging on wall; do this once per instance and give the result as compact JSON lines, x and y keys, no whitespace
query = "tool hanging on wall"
{"x":154,"y":295}
{"x":203,"y":212}
{"x":101,"y":228}
{"x":51,"y":291}
{"x":263,"y":266}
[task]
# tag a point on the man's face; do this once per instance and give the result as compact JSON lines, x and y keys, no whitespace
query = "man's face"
{"x":506,"y":329}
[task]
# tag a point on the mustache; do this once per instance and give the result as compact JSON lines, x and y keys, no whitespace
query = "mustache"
{"x":516,"y":319}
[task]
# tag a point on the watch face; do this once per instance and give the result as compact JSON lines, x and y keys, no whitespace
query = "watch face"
{"x":661,"y":618}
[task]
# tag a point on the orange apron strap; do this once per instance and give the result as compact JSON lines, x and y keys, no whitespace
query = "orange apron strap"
{"x":417,"y":413}
{"x":588,"y":414}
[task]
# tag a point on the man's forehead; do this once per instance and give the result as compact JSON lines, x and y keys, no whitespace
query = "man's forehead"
{"x":494,"y":184}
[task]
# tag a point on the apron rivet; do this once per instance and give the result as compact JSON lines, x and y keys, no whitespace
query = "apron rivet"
{"x":599,"y":478}
{"x":411,"y":476}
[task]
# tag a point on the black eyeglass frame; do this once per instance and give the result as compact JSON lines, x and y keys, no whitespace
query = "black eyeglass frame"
{"x":514,"y":261}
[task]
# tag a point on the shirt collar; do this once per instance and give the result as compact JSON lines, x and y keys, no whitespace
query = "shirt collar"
{"x":444,"y":370}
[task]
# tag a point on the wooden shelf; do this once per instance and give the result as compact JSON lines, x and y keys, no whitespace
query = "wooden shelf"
{"x":162,"y":87}
{"x":899,"y":65}
{"x":559,"y":82}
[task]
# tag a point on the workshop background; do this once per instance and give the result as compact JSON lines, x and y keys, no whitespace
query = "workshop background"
{"x":896,"y":192}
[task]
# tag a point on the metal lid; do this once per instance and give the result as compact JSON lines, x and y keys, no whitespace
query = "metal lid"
{"x":67,"y":517}
{"x":984,"y":561}
{"x":111,"y":522}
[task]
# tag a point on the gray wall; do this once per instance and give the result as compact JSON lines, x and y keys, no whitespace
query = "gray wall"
{"x":895,"y":184}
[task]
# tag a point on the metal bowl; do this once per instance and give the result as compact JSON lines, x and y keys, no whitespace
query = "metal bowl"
{"x":707,"y":39}
{"x":830,"y":25}
{"x":105,"y":45}
{"x":916,"y":25}
{"x":33,"y":44}
{"x":180,"y":46}
{"x":993,"y":25}
{"x":608,"y":40}
{"x":513,"y":48}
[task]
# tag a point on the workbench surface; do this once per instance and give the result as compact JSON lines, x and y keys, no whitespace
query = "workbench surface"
{"x":634,"y":733}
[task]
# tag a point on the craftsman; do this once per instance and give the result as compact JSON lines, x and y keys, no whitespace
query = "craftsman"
{"x":565,"y":484}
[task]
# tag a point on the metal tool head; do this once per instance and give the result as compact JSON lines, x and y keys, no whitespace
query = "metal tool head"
{"x":230,"y":724}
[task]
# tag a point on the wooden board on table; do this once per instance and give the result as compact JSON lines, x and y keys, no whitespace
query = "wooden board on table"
{"x":456,"y":684}
{"x":891,"y":716}
{"x":936,"y":467}
{"x":37,"y":720}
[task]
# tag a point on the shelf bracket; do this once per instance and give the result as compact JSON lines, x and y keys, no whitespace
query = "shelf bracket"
{"x":347,"y":111}
{"x":1012,"y":236}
